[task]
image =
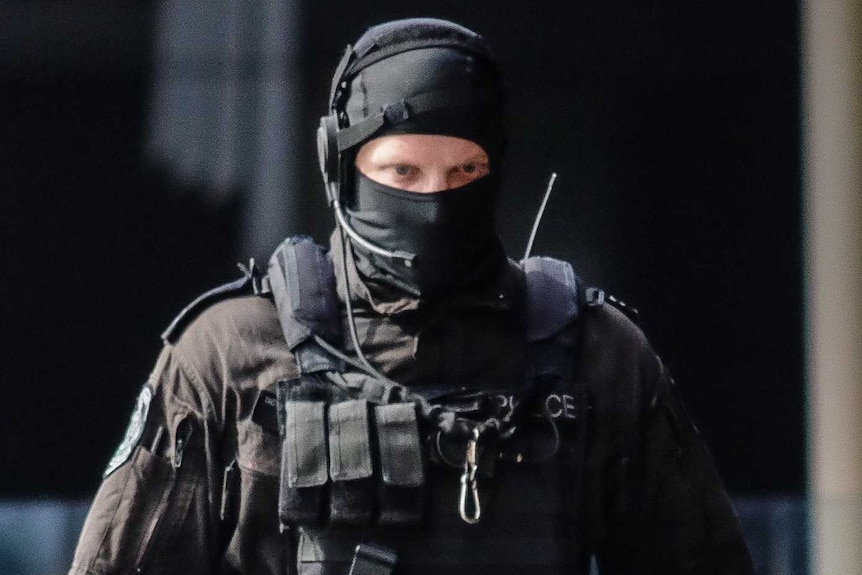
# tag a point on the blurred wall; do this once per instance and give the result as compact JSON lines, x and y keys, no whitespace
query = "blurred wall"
{"x":226,"y":108}
{"x":98,"y":251}
{"x":833,"y":258}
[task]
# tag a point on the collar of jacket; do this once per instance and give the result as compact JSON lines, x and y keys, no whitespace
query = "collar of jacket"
{"x":496,"y":294}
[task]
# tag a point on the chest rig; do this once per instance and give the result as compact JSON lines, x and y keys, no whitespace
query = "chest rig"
{"x":374,"y":473}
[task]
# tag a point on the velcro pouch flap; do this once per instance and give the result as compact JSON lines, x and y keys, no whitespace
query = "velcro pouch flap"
{"x":349,"y":441}
{"x":401,"y":490}
{"x":304,"y":469}
{"x":304,"y":447}
{"x":400,"y":448}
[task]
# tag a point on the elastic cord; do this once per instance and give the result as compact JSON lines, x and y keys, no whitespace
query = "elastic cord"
{"x":332,"y":350}
{"x":351,"y":323}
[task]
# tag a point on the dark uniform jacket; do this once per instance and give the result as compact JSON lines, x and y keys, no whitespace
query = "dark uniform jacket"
{"x":194,"y":487}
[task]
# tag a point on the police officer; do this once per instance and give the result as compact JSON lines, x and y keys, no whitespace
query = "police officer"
{"x":410,"y":400}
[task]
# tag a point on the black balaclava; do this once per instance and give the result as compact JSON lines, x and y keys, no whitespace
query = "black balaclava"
{"x":452,"y":233}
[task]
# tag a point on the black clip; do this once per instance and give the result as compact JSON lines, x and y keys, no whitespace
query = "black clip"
{"x":594,"y":297}
{"x":396,"y":112}
{"x":259,"y":281}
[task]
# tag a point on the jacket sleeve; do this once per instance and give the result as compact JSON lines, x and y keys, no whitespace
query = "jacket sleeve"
{"x":687,"y":520}
{"x":157,"y":510}
{"x":664,"y":508}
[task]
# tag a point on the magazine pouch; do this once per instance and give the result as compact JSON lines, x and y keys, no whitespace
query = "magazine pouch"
{"x":304,"y":473}
{"x":401,"y":485}
{"x":351,"y":497}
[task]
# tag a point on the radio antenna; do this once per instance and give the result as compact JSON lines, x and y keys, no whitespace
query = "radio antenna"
{"x":538,"y":219}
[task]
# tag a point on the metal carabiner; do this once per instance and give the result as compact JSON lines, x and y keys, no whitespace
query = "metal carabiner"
{"x":469,"y":484}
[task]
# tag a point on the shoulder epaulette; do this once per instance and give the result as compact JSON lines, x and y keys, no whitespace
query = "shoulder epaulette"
{"x":302,"y":281}
{"x":553,"y":306}
{"x":595,"y":297}
{"x":249,"y":283}
{"x":628,"y":311}
{"x":552,"y":296}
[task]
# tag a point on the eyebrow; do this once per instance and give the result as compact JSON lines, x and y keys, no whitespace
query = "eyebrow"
{"x":397,"y":157}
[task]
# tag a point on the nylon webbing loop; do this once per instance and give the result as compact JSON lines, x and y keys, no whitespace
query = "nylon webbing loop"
{"x":338,"y":77}
{"x":371,"y":559}
{"x":375,"y":51}
{"x":401,"y":110}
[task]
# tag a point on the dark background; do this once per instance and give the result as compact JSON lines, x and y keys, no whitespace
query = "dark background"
{"x":674,"y":128}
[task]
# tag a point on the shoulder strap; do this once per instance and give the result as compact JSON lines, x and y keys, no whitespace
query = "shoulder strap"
{"x":552,"y":296}
{"x":556,"y":299}
{"x":553,"y":305}
{"x":240,"y":286}
{"x":302,"y":281}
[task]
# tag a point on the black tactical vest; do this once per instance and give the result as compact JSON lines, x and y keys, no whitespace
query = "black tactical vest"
{"x":377,"y":478}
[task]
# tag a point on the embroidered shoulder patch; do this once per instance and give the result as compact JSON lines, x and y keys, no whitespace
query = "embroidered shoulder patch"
{"x":133,"y":432}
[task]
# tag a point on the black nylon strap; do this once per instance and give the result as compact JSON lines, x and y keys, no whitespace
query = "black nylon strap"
{"x":365,"y":56}
{"x":301,"y":279}
{"x":397,"y":112}
{"x":353,"y":135}
{"x":191,"y":311}
{"x":338,"y":77}
{"x":371,"y":559}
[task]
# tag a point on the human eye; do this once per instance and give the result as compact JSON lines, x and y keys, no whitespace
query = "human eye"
{"x":474,"y":169}
{"x":402,"y":170}
{"x":401,"y":174}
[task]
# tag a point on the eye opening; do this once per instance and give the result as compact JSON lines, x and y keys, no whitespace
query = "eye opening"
{"x":474,"y":167}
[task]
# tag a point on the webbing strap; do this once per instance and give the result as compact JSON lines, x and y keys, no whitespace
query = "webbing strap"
{"x":302,"y":282}
{"x":401,"y":110}
{"x":346,"y":59}
{"x":209,"y":298}
{"x":552,"y":297}
{"x":371,"y":559}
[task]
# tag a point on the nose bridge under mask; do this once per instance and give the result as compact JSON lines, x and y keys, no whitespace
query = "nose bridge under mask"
{"x":404,"y":206}
{"x":449,"y":231}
